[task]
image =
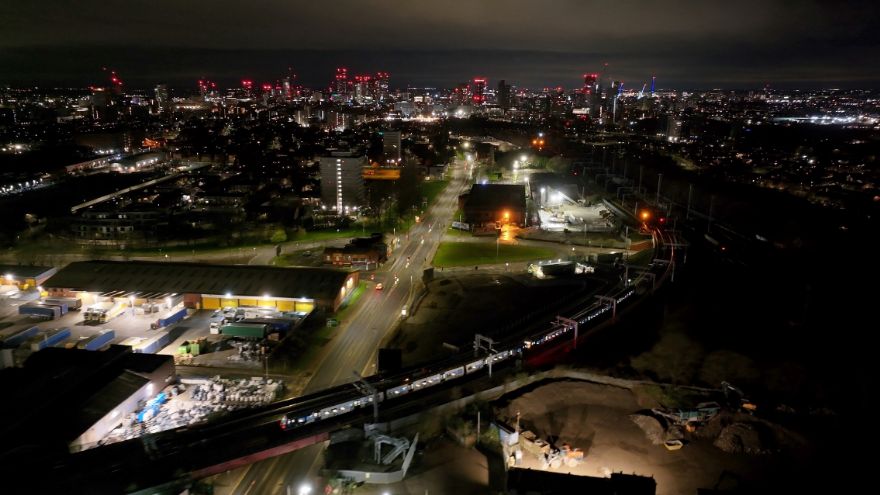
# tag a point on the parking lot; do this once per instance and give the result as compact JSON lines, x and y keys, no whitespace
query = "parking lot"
{"x":130,"y":326}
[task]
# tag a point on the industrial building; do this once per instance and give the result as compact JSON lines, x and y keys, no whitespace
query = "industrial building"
{"x":25,"y":277}
{"x":136,"y":162}
{"x":361,"y":252}
{"x":548,"y":190}
{"x":204,"y":286}
{"x":342,"y":181}
{"x":81,"y":394}
{"x":501,"y":204}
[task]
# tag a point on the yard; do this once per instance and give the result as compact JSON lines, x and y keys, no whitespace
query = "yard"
{"x":479,"y":253}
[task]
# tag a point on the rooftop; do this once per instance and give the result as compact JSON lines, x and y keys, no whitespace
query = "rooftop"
{"x":24,"y":271}
{"x":197,"y":278}
{"x":495,"y":195}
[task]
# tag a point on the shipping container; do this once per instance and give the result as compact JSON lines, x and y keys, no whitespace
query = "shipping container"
{"x":172,"y":318}
{"x":72,"y":303}
{"x":19,"y":337}
{"x":153,"y":344}
{"x":62,"y":305}
{"x":98,"y":340}
{"x":275,"y":324}
{"x":49,"y":338}
{"x":41,"y":310}
{"x":244,"y":330}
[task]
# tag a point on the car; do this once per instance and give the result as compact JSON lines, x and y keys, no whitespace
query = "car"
{"x":379,"y":286}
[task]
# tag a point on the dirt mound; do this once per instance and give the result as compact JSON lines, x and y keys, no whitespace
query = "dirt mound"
{"x":744,"y":438}
{"x":654,"y":430}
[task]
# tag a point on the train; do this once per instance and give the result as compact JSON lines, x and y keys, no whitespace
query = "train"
{"x":387,"y":389}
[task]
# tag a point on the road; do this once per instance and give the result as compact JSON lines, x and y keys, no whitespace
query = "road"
{"x":355,"y":346}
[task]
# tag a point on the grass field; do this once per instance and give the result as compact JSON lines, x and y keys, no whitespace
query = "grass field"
{"x":473,"y":253}
{"x":431,"y":189}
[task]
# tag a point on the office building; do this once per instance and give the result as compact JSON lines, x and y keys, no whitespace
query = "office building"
{"x":342,"y":181}
{"x":163,"y":99}
{"x":504,"y":95}
{"x":391,"y":147}
{"x":478,"y":91}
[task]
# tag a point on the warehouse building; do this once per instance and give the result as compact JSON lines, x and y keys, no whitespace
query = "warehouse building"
{"x":499,"y":204}
{"x":360,"y":253}
{"x":25,"y":277}
{"x":205,"y":286}
{"x":82,"y":394}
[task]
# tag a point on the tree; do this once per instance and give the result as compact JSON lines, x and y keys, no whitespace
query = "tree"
{"x":279,"y":236}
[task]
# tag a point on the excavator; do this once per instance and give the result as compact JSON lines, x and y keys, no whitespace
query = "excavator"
{"x":736,"y":397}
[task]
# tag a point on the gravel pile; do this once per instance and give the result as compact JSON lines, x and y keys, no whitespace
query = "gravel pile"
{"x":653,"y":428}
{"x":742,"y":438}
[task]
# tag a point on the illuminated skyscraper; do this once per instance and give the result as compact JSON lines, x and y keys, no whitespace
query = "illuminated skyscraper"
{"x":342,"y":181}
{"x":363,"y":87}
{"x":591,"y":84}
{"x":340,"y":86}
{"x":478,"y":91}
{"x":381,"y":83}
{"x":163,"y":98}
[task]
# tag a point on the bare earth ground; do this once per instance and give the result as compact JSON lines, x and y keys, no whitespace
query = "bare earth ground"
{"x":596,"y":419}
{"x":458,"y":306}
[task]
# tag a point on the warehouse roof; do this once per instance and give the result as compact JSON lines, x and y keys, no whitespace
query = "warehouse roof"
{"x":24,"y":271}
{"x":496,"y":195}
{"x":197,"y":278}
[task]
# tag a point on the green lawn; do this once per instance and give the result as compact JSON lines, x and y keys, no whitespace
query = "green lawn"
{"x":457,"y":233}
{"x":431,"y":189}
{"x":472,"y":253}
{"x":323,"y":235}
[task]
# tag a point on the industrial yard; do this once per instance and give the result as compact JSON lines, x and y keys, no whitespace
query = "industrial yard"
{"x":194,"y":399}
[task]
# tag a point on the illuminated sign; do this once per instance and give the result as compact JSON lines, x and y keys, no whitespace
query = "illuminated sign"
{"x":381,"y":173}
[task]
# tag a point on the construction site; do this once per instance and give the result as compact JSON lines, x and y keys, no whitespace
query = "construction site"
{"x":592,"y":429}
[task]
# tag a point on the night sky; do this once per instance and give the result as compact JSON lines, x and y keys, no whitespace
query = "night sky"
{"x":535,"y":43}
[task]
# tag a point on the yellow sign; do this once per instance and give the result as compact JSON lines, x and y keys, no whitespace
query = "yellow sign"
{"x":381,"y":173}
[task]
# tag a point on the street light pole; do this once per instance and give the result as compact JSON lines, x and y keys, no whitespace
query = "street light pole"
{"x":659,"y":180}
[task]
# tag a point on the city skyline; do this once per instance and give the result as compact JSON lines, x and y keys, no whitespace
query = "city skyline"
{"x":687,"y":45}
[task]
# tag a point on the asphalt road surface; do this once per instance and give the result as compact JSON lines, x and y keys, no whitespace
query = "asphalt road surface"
{"x":355,"y":347}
